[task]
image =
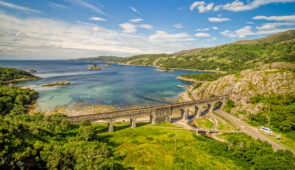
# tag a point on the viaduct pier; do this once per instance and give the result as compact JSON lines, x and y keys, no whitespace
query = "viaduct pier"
{"x":156,"y":114}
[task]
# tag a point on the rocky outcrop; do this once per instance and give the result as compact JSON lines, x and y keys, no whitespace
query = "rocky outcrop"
{"x":60,"y":83}
{"x":32,"y":71}
{"x":186,"y":79}
{"x":275,"y":78}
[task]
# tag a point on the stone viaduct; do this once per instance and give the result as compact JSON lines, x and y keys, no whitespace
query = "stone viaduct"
{"x":156,"y":114}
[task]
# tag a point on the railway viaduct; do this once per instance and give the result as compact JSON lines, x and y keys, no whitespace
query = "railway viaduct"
{"x":156,"y":114}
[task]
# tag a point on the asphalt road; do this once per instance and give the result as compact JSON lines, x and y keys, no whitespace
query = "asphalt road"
{"x":249,"y":130}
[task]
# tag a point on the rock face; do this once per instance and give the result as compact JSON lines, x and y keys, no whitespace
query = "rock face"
{"x":60,"y":83}
{"x":32,"y":71}
{"x":275,"y":78}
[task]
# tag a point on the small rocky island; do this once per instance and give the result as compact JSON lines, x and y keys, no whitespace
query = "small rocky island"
{"x":165,"y":70}
{"x":60,"y":83}
{"x":94,"y":67}
{"x":32,"y":71}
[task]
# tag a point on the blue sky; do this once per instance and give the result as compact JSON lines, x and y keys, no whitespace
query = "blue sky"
{"x":62,"y":29}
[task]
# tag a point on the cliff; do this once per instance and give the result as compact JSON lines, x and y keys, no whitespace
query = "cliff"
{"x":277,"y":78}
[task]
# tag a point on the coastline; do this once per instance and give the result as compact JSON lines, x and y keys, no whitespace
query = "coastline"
{"x":195,"y":70}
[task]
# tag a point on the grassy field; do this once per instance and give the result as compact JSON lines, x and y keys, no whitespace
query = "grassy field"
{"x":153,"y":147}
{"x":223,"y":126}
{"x":204,"y":123}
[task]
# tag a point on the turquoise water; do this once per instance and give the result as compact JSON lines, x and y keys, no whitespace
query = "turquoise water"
{"x":117,"y":85}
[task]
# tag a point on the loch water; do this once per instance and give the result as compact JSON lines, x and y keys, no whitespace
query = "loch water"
{"x":117,"y":85}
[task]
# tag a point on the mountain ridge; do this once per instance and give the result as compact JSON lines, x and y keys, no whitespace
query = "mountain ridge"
{"x":232,"y":57}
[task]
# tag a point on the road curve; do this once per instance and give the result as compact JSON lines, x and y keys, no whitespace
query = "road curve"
{"x":249,"y":130}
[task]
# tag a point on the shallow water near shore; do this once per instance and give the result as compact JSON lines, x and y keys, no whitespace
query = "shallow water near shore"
{"x":117,"y":85}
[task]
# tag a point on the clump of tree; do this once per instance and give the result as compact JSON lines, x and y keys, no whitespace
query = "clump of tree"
{"x":258,"y":154}
{"x":14,"y":100}
{"x":279,"y":111}
{"x":8,"y":74}
{"x":229,"y":104}
{"x":38,"y":141}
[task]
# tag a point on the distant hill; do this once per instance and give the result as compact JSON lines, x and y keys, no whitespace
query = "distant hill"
{"x":99,"y":58}
{"x":231,"y":57}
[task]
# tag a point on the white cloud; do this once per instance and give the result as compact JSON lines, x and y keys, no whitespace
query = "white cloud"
{"x":274,"y":25}
{"x":202,"y":35}
{"x":88,"y":5}
{"x":228,"y":34}
{"x":17,"y":7}
{"x":146,"y":26}
{"x":217,"y":7}
{"x":203,"y":29}
{"x":136,"y":20}
{"x":276,"y":18}
{"x":202,"y":7}
{"x":237,"y":5}
{"x":249,"y":22}
{"x":97,"y":19}
{"x":178,"y":25}
{"x":128,"y":27}
{"x":195,"y":4}
{"x":215,"y":28}
{"x":247,"y":31}
{"x":134,"y":10}
{"x":162,"y":36}
{"x":42,"y":38}
{"x":218,"y":19}
{"x":29,"y":37}
{"x":55,"y":5}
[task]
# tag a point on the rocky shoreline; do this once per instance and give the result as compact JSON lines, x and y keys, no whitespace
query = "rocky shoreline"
{"x":60,"y":83}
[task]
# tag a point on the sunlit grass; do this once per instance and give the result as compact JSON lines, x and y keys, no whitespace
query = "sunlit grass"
{"x":223,"y":126}
{"x":149,"y":147}
{"x":204,"y":123}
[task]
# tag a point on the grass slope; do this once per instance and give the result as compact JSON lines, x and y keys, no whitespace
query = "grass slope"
{"x":153,"y":147}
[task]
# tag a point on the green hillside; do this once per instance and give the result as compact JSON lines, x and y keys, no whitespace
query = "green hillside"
{"x":232,"y":57}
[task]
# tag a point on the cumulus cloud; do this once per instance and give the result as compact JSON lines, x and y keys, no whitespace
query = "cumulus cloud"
{"x":202,"y":35}
{"x":97,"y":19}
{"x":276,"y":18}
{"x":19,"y":8}
{"x":146,"y":26}
{"x":202,"y":7}
{"x":274,"y":25}
{"x":247,"y":31}
{"x":218,"y":19}
{"x":196,"y":4}
{"x":215,"y":28}
{"x":128,"y":27}
{"x":43,"y":38}
{"x":136,"y":20}
{"x":134,"y":10}
{"x":178,"y":25}
{"x":162,"y":36}
{"x":238,"y":5}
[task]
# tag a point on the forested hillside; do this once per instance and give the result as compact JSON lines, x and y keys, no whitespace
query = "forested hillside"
{"x":10,"y":74}
{"x":232,"y":57}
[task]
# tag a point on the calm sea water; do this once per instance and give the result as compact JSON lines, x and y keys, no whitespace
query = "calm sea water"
{"x":117,"y":85}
